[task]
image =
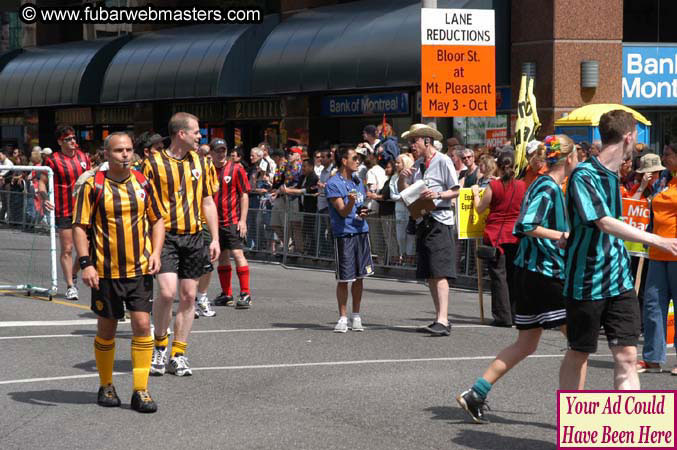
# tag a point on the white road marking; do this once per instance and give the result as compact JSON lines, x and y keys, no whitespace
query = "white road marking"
{"x":244,"y":330}
{"x":47,"y":323}
{"x":295,"y":365}
{"x":235,"y":330}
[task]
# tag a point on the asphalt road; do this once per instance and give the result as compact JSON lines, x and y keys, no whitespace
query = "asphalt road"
{"x":276,"y":376}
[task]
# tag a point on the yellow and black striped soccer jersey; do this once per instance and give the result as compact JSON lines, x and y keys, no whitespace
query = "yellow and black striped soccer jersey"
{"x":120,"y":224}
{"x":181,"y":186}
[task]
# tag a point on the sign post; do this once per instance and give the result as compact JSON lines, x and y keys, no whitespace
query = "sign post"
{"x":470,"y":225}
{"x":458,"y":62}
{"x":636,"y":213}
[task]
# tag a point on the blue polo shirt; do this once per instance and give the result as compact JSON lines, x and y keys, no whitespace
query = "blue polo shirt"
{"x":339,"y":187}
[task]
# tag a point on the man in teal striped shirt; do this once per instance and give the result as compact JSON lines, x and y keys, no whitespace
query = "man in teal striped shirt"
{"x":598,"y":282}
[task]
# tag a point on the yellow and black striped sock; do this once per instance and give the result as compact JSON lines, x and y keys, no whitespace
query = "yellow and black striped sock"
{"x":104,"y":353}
{"x":142,"y":354}
{"x":178,"y":347}
{"x":161,"y":341}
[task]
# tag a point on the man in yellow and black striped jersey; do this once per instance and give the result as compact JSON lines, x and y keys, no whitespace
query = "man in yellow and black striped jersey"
{"x":124,"y":217}
{"x":185,"y":182}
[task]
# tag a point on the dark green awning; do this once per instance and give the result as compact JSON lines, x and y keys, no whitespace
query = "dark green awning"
{"x":56,"y":75}
{"x":200,"y":61}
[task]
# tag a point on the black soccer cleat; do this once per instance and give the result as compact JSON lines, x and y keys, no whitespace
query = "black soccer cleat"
{"x":143,"y":403}
{"x":224,"y":300}
{"x":474,"y":405}
{"x":107,"y":396}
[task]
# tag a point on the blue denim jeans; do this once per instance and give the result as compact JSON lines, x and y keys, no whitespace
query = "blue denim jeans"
{"x":661,"y":286}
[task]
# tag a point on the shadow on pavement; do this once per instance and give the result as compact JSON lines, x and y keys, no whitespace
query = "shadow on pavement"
{"x":487,"y":440}
{"x":459,"y":416}
{"x":121,"y":365}
{"x":399,"y":292}
{"x":599,"y":364}
{"x":54,"y":397}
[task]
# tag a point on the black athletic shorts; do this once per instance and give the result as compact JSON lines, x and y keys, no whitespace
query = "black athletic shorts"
{"x":539,"y":303}
{"x":184,"y":255}
{"x":63,"y":223}
{"x":618,"y":315}
{"x":435,"y":250}
{"x":229,"y":238}
{"x":353,"y":257}
{"x":114,"y":293}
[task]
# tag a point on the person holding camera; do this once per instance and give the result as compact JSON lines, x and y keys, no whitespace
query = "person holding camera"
{"x":346,"y":195}
{"x":435,"y":249}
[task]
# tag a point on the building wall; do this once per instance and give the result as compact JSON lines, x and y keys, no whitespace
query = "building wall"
{"x":558,"y":35}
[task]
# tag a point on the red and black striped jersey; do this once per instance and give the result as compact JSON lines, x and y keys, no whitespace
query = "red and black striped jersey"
{"x":66,"y":170}
{"x":234,"y":183}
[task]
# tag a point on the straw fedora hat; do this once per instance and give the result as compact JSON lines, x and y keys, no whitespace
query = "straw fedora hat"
{"x":650,"y":162}
{"x":421,"y":130}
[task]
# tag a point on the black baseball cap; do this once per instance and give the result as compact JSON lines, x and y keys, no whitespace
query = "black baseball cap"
{"x":217,"y":143}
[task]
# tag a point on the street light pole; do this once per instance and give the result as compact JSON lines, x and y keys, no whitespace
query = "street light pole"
{"x":430,"y":121}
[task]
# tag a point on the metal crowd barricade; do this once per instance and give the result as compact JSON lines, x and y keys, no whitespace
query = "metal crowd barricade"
{"x":282,"y":233}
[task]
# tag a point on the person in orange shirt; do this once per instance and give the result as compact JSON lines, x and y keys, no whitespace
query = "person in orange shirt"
{"x":537,"y":166}
{"x":661,"y":282}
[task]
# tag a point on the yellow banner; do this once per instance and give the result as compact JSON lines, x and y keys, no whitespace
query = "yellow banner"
{"x":527,"y":122}
{"x":470,"y":222}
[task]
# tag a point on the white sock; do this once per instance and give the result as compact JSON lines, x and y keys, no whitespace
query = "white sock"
{"x":343,"y":319}
{"x":201,"y":295}
{"x":354,"y":316}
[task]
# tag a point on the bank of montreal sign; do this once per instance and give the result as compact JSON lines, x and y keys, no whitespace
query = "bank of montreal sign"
{"x":649,"y":76}
{"x":366,"y":105}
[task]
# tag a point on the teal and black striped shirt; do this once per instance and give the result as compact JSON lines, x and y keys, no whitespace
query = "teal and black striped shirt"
{"x":543,"y":205}
{"x":597,"y":263}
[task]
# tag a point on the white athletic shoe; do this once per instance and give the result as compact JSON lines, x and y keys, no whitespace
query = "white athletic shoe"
{"x":159,"y":361}
{"x":72,"y":293}
{"x":178,"y":366}
{"x":341,"y":325}
{"x":204,"y":307}
{"x":357,"y":324}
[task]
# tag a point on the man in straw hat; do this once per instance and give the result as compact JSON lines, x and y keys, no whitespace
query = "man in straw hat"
{"x":436,"y":253}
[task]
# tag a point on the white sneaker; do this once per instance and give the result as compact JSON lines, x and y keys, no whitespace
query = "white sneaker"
{"x":357,"y":324}
{"x":178,"y":366}
{"x":341,"y":326}
{"x":159,"y":361}
{"x":72,"y":293}
{"x":204,"y":307}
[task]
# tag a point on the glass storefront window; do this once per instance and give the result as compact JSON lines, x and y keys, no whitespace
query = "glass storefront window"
{"x":483,"y":131}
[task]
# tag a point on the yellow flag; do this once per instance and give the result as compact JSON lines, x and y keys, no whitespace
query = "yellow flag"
{"x":527,"y":121}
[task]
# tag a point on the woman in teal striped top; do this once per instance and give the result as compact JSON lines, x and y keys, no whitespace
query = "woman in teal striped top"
{"x":543,"y":228}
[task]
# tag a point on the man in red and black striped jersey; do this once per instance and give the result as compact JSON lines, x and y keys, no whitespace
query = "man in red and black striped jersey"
{"x":67,"y":164}
{"x":232,"y":204}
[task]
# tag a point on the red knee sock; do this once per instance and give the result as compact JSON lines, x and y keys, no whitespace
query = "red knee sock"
{"x":243,"y":276}
{"x":225,"y":273}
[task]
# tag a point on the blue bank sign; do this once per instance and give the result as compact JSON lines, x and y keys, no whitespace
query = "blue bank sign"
{"x":366,"y":105}
{"x":649,"y":76}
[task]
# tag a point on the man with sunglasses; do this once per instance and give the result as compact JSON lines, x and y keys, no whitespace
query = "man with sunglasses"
{"x":435,"y":249}
{"x":67,"y":164}
{"x":346,"y":195}
{"x":472,"y":173}
{"x":232,"y":204}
